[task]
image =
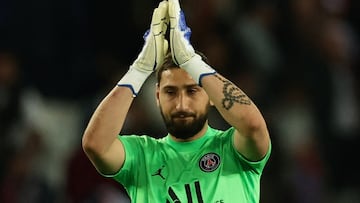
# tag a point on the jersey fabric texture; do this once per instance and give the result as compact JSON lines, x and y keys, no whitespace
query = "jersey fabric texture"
{"x":206,"y":170}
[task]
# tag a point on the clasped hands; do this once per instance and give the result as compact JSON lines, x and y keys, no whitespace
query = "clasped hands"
{"x":156,"y":47}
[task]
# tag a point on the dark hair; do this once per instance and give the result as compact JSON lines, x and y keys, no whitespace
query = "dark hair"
{"x":170,"y":64}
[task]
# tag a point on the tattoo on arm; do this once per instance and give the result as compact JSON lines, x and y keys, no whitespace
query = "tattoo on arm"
{"x":232,"y":94}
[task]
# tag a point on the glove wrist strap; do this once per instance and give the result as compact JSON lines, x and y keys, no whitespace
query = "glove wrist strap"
{"x":134,"y":79}
{"x":197,"y":68}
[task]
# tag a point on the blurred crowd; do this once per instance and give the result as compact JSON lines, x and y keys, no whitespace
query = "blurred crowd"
{"x":297,"y":59}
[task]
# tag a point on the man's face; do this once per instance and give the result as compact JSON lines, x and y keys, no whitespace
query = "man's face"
{"x":183,"y":104}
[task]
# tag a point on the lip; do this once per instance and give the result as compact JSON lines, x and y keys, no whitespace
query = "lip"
{"x":182,"y":117}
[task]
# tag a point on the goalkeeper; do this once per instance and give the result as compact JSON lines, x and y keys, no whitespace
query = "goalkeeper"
{"x":193,"y":162}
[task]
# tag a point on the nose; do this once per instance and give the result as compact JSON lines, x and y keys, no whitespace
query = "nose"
{"x":182,"y":103}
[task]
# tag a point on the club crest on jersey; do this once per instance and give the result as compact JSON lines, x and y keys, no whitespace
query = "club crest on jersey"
{"x":209,"y":162}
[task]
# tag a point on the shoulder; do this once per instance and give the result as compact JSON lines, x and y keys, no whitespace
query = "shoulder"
{"x":222,"y":134}
{"x":219,"y":137}
{"x":143,"y":140}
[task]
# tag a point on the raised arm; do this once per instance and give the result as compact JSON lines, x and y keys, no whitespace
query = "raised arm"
{"x":100,"y":142}
{"x":251,"y":137}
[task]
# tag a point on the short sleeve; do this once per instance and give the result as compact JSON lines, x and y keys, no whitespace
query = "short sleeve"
{"x":257,"y":166}
{"x":132,"y":151}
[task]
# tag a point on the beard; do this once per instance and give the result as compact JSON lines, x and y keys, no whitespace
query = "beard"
{"x":180,"y":127}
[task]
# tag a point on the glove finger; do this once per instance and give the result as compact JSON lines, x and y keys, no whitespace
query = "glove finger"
{"x":159,"y":50}
{"x":165,"y":16}
{"x":158,"y":18}
{"x":156,"y":26}
{"x":163,"y":4}
{"x":163,"y":12}
{"x":174,"y":11}
{"x":159,"y":30}
{"x":166,"y":46}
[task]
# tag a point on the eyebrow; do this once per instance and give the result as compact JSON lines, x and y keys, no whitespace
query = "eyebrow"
{"x":183,"y":86}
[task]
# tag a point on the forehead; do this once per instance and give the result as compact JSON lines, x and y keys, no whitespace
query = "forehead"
{"x":176,"y":77}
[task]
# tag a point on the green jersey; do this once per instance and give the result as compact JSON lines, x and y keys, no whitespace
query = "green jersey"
{"x":206,"y":170}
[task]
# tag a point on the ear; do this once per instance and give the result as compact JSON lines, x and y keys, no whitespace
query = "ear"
{"x":157,"y":92}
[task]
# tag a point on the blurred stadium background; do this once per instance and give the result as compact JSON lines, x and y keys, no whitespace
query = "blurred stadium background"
{"x":297,"y":59}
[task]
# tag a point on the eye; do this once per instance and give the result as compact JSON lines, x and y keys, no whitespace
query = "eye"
{"x":169,"y":91}
{"x":192,"y":90}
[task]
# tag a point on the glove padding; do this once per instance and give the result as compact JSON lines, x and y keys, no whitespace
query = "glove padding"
{"x":183,"y":53}
{"x":180,"y":33}
{"x":153,"y":52}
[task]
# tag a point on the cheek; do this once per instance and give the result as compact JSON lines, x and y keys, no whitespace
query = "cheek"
{"x":165,"y":101}
{"x":165,"y":106}
{"x":204,"y":107}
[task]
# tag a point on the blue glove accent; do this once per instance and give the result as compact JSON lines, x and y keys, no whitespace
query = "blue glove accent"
{"x":183,"y":26}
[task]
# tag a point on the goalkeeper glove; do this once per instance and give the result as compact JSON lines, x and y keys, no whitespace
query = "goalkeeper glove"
{"x":153,"y":52}
{"x":182,"y":51}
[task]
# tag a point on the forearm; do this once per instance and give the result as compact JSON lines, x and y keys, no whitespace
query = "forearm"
{"x":107,"y":120}
{"x":233,"y":104}
{"x":251,"y":137}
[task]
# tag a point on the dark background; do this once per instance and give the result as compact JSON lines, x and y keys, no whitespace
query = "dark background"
{"x":297,"y":59}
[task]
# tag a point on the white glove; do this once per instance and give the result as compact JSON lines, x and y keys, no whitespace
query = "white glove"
{"x":182,"y":51}
{"x":153,"y":52}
